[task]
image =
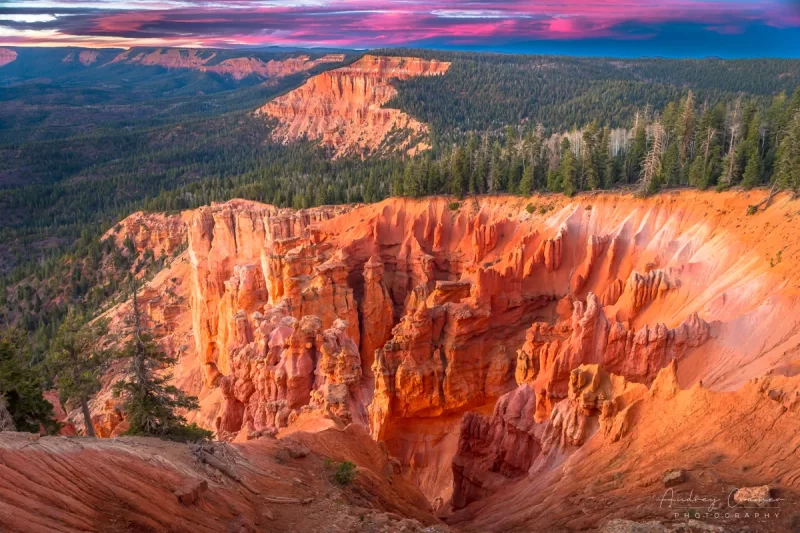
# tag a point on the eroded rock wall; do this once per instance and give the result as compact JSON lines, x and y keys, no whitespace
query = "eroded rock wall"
{"x":455,"y":334}
{"x":343,"y":107}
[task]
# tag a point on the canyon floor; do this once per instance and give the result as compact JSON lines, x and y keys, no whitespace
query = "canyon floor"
{"x":603,"y":362}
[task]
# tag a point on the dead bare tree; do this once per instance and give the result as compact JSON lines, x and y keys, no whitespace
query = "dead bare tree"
{"x":6,"y":421}
{"x":652,"y":160}
{"x":735,"y":127}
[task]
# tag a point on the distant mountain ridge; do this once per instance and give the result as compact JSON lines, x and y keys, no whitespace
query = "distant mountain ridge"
{"x":23,"y":64}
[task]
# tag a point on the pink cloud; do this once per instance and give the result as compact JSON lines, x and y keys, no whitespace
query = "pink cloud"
{"x":363,"y":23}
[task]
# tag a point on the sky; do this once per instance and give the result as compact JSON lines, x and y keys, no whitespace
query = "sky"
{"x":627,"y":28}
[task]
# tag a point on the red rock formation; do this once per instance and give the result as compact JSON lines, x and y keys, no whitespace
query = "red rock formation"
{"x":289,"y":308}
{"x":494,"y":448}
{"x":551,"y":352}
{"x":506,"y":445}
{"x":285,"y":366}
{"x":85,"y":57}
{"x":342,"y":107}
{"x":155,"y":232}
{"x":376,"y":312}
{"x":67,"y":427}
{"x":236,"y":67}
{"x":110,"y":422}
{"x":241,"y":67}
{"x":616,"y":466}
{"x":7,"y":56}
{"x":166,"y":57}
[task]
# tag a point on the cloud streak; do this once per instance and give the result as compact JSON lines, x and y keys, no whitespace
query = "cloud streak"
{"x":478,"y":24}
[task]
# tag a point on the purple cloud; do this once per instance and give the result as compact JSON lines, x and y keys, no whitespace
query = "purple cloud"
{"x":363,"y":24}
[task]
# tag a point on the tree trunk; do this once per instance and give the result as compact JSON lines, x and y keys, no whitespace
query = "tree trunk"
{"x":87,"y":418}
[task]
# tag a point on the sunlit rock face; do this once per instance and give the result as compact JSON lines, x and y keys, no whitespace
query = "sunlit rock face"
{"x":343,"y":107}
{"x":481,"y":343}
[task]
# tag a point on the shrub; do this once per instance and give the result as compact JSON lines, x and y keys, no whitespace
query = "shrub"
{"x":454,"y":206}
{"x":345,"y":474}
{"x":530,"y":208}
{"x":188,"y":433}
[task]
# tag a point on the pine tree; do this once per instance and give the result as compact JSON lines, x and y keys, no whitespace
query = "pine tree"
{"x":568,"y":169}
{"x":686,"y":129}
{"x":76,"y":359}
{"x":752,"y":172}
{"x":638,"y":153}
{"x":397,"y":184}
{"x":433,"y":179}
{"x":590,"y":175}
{"x":495,"y":169}
{"x":412,"y":186}
{"x":787,"y":164}
{"x":553,"y":180}
{"x":21,"y":383}
{"x":150,"y":403}
{"x":526,"y":184}
{"x":701,"y":170}
{"x":458,"y":173}
{"x":515,"y":171}
{"x":602,"y":158}
{"x":369,"y":188}
{"x":671,"y":165}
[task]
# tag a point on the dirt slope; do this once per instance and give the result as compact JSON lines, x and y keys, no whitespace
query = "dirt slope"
{"x":56,"y":484}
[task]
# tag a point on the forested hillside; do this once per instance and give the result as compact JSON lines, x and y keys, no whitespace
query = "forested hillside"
{"x":489,"y":91}
{"x":48,"y":93}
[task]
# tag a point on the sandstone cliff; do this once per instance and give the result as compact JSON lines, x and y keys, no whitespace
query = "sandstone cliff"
{"x":149,"y":232}
{"x":456,"y":334}
{"x":343,"y":107}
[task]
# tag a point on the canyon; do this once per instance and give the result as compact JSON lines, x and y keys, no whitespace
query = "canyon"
{"x":523,"y":364}
{"x":487,"y":342}
{"x":342,"y":108}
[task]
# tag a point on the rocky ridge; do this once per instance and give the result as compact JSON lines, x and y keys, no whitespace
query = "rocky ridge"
{"x":343,"y":107}
{"x":237,"y":67}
